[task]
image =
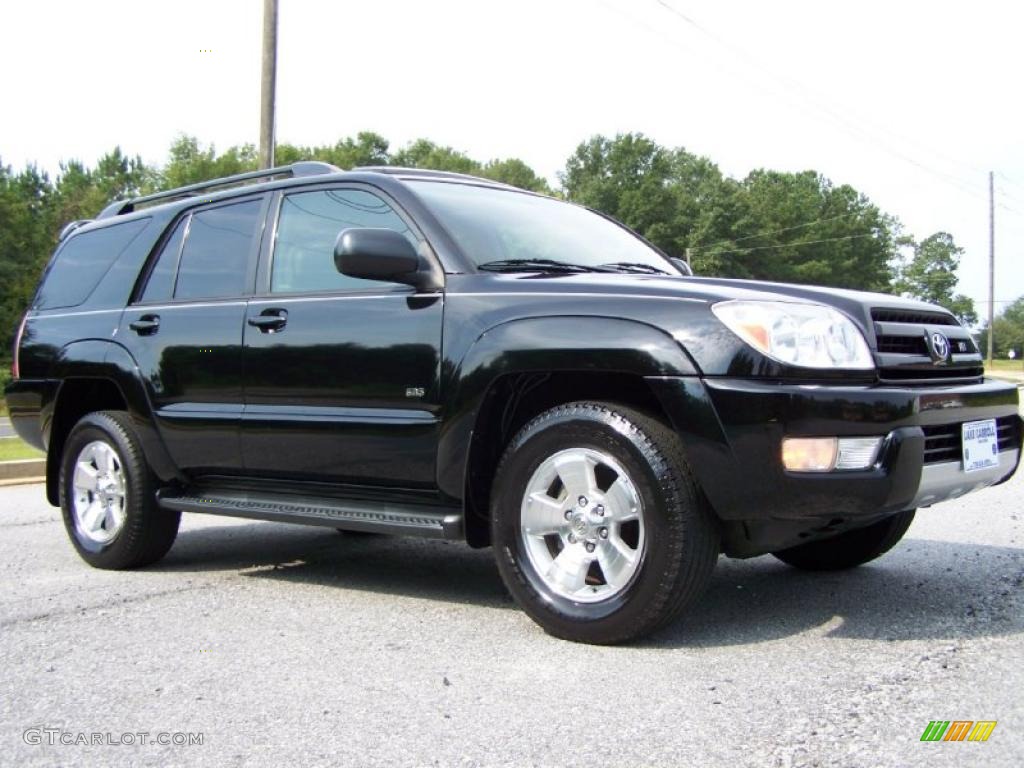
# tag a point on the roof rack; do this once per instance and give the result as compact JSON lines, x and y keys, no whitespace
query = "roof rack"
{"x":304,"y":168}
{"x":70,"y":227}
{"x":397,"y":170}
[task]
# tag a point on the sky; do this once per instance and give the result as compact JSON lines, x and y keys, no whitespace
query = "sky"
{"x":912,"y":103}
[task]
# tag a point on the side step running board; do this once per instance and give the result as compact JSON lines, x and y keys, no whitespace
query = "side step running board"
{"x":374,"y":516}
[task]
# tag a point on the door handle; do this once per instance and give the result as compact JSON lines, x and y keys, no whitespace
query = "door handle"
{"x":270,"y":320}
{"x":146,"y":325}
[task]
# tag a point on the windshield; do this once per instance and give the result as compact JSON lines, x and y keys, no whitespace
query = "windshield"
{"x":510,"y":231}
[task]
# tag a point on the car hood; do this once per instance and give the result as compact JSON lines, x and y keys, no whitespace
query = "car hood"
{"x":900,"y":332}
{"x":858,"y":305}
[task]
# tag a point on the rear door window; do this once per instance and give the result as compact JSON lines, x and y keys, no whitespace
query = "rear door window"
{"x":219,"y":248}
{"x":160,"y":285}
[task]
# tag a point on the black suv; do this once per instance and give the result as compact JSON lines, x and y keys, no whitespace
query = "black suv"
{"x":414,"y":352}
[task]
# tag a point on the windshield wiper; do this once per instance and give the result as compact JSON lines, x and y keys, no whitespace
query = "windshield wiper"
{"x":635,"y":266}
{"x":537,"y":265}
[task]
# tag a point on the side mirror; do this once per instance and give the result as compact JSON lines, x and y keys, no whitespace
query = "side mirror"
{"x":682,"y":266}
{"x":383,"y":254}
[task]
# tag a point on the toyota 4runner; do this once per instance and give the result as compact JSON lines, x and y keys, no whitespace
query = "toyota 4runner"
{"x":414,"y":352}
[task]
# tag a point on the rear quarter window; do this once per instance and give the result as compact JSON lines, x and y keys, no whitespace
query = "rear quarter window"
{"x":82,"y":261}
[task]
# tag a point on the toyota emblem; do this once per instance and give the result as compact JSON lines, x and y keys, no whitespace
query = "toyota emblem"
{"x":938,"y":345}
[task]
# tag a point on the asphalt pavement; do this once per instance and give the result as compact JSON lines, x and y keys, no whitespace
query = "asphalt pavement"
{"x":6,"y":430}
{"x":279,"y":645}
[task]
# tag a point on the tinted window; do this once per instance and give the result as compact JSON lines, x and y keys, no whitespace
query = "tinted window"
{"x":160,"y":285}
{"x":215,"y":259}
{"x":82,"y":262}
{"x":307,"y":230}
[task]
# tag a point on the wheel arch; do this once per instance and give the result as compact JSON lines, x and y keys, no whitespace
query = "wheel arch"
{"x":98,"y":375}
{"x":518,"y":369}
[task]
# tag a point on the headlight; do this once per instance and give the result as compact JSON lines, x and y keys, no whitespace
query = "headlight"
{"x":808,"y":335}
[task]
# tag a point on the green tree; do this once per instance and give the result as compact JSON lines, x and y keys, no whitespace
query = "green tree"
{"x":516,"y":173}
{"x":801,"y":228}
{"x":770,"y":226}
{"x":81,"y":193}
{"x":630,"y":177}
{"x":26,"y":240}
{"x":190,"y":163}
{"x":367,"y":148}
{"x":424,"y":153}
{"x":929,"y":274}
{"x":1009,"y":331}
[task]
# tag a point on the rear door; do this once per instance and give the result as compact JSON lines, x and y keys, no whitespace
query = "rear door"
{"x":185,"y":331}
{"x":341,"y":374}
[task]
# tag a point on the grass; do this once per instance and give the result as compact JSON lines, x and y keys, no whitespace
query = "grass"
{"x":12,"y":449}
{"x":1016,"y":366}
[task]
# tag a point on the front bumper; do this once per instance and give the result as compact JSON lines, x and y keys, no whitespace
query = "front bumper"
{"x":733,"y":430}
{"x":947,"y":480}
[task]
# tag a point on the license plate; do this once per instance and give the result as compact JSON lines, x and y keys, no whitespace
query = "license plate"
{"x":981,"y":445}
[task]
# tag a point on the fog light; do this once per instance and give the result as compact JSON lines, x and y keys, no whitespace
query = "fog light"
{"x":809,"y":454}
{"x":824,"y":454}
{"x":857,"y":452}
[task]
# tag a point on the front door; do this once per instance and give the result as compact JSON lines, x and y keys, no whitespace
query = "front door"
{"x":341,"y":374}
{"x":185,"y":333}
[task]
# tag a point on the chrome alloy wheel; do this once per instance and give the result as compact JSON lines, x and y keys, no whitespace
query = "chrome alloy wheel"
{"x":99,"y":492}
{"x":582,"y":525}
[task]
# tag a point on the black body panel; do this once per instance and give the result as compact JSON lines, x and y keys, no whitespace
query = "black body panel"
{"x":349,"y":383}
{"x":733,"y":428}
{"x":192,"y":366}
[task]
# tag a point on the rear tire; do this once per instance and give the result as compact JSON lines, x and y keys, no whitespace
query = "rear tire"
{"x":108,"y":495}
{"x":600,"y":531}
{"x":849,"y":549}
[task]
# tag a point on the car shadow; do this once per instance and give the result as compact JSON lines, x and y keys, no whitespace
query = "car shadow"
{"x":424,"y":568}
{"x":923,"y":589}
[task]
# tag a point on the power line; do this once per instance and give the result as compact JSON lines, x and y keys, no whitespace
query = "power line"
{"x":793,"y":245}
{"x":762,"y":233}
{"x":854,"y":130}
{"x":674,"y":44}
{"x":776,"y":231}
{"x":1012,"y":181}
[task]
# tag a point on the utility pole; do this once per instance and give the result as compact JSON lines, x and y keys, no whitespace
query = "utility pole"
{"x":268,"y":86}
{"x":991,"y":262}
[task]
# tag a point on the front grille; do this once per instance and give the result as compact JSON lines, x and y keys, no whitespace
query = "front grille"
{"x":1007,"y":428}
{"x":932,"y":375}
{"x":904,"y":353}
{"x":881,"y":315}
{"x":944,"y":443}
{"x":903,"y":345}
{"x":916,"y":345}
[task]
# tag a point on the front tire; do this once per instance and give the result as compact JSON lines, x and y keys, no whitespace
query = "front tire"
{"x":600,"y":531}
{"x":108,"y":495}
{"x":849,"y":549}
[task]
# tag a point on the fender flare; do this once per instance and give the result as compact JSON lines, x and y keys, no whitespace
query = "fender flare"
{"x":109,"y":361}
{"x":581,"y":343}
